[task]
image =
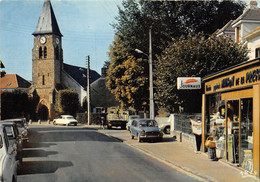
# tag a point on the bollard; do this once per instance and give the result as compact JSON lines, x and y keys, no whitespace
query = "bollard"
{"x":48,"y":122}
{"x":39,"y":121}
{"x":30,"y":121}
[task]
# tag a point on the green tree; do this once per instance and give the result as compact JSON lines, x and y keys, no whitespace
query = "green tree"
{"x":14,"y":104}
{"x":167,"y":20}
{"x":67,"y":102}
{"x":189,"y":57}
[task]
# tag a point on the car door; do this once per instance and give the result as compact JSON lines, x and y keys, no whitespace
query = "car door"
{"x":134,"y":127}
{"x":9,"y":162}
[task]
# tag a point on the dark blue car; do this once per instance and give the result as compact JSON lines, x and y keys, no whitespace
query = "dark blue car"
{"x":145,"y":129}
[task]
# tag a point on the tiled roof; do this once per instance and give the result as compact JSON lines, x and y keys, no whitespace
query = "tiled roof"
{"x":227,"y":27}
{"x":12,"y":81}
{"x":47,"y":23}
{"x":79,"y":74}
{"x":249,"y":14}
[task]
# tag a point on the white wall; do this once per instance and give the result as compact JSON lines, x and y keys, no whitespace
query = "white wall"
{"x":70,"y":83}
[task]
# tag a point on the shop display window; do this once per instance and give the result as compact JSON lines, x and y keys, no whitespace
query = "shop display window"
{"x":230,"y":122}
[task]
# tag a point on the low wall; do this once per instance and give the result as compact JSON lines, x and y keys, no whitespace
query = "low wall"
{"x":188,"y":139}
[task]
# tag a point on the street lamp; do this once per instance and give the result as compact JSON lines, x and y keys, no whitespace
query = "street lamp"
{"x":150,"y":73}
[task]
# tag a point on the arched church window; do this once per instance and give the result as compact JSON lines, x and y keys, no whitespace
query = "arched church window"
{"x":45,"y":52}
{"x":40,"y":52}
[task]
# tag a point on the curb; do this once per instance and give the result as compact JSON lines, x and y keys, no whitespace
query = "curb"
{"x":178,"y":167}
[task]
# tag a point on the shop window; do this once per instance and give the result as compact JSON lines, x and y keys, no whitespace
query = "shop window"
{"x":40,"y":53}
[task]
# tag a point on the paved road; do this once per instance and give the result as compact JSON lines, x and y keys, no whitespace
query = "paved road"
{"x":76,"y":154}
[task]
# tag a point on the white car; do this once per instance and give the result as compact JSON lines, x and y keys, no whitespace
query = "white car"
{"x":8,"y":162}
{"x":65,"y":120}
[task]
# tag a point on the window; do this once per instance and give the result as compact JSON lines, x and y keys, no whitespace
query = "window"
{"x":40,"y":53}
{"x":45,"y":52}
{"x":257,"y":52}
{"x":43,"y":81}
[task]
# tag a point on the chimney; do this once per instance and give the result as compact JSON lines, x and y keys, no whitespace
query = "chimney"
{"x":253,"y":5}
{"x":104,"y":71}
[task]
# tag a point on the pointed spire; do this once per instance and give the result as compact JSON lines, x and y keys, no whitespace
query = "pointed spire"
{"x":47,"y":23}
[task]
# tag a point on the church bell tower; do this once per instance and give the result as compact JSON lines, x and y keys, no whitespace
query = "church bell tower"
{"x":47,"y":57}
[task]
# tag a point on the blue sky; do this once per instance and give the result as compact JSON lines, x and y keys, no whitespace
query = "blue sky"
{"x":85,"y":25}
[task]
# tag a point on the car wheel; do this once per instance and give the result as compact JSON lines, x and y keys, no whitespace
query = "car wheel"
{"x":132,"y":136}
{"x":54,"y":122}
{"x":139,"y":139}
{"x":75,"y":124}
{"x":167,"y":130}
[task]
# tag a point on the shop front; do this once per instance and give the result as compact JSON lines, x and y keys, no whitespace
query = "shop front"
{"x":230,"y":113}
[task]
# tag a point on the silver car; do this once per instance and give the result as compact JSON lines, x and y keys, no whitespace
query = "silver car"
{"x":8,"y":162}
{"x":145,"y":129}
{"x":22,"y":128}
{"x":14,"y":139}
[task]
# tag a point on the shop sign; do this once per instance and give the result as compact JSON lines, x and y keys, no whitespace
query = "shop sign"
{"x":236,"y":80}
{"x":188,"y":83}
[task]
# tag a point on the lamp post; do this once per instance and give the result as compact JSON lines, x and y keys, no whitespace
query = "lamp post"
{"x":150,"y":74}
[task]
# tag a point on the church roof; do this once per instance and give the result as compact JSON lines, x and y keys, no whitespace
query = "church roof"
{"x":13,"y":81}
{"x":47,"y":23}
{"x":79,"y":74}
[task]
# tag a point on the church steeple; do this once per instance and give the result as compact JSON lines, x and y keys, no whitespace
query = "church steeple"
{"x":47,"y":23}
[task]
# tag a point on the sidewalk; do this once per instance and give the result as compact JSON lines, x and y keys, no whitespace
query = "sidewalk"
{"x":177,"y":154}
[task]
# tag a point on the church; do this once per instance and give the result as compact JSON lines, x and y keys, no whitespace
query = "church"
{"x":49,"y":72}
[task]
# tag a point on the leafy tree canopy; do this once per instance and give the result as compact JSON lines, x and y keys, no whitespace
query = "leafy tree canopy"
{"x":167,"y":20}
{"x":191,"y":56}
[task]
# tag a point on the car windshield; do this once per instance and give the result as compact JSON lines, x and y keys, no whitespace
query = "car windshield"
{"x":148,"y":123}
{"x":70,"y":117}
{"x":19,"y":123}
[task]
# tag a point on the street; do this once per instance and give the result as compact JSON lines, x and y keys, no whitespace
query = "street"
{"x":60,"y":153}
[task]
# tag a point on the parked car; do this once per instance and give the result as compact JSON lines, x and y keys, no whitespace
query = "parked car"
{"x":13,"y":136}
{"x":22,"y":128}
{"x":145,"y":129}
{"x":130,"y":120}
{"x":164,"y":123}
{"x":8,"y":162}
{"x":65,"y":120}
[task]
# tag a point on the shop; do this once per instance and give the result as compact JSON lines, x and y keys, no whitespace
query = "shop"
{"x":230,"y":113}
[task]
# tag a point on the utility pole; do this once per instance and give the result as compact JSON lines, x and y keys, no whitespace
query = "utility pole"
{"x":151,"y":75}
{"x":88,"y":89}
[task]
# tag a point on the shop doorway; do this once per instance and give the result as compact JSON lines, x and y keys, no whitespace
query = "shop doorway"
{"x":232,"y":130}
{"x":239,"y":129}
{"x":246,"y":134}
